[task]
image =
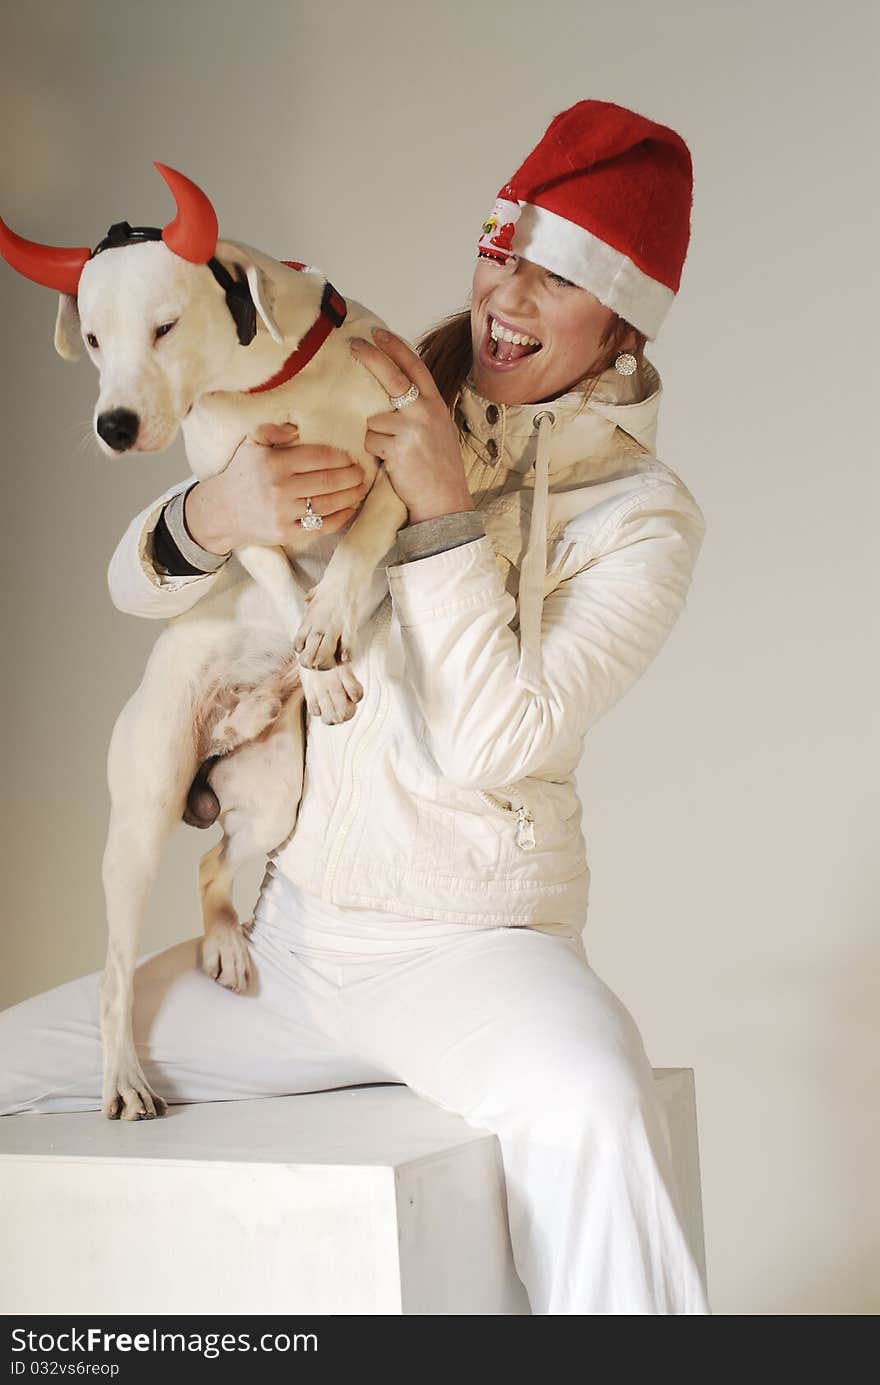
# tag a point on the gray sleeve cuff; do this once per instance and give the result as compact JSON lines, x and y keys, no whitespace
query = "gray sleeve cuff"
{"x":432,"y":536}
{"x":191,"y":551}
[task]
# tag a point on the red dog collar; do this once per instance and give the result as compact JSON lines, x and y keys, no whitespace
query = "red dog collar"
{"x":333,"y":314}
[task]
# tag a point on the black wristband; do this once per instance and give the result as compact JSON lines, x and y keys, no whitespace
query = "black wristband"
{"x":168,"y":556}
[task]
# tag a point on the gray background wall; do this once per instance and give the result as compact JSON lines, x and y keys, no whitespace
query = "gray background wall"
{"x":728,"y":805}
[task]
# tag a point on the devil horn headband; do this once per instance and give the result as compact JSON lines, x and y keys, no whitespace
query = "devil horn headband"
{"x":192,"y":235}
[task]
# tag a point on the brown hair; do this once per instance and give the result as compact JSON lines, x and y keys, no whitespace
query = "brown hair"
{"x":446,"y":350}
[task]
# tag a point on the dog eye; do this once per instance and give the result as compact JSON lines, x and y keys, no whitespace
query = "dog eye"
{"x":164,"y":330}
{"x":92,"y":340}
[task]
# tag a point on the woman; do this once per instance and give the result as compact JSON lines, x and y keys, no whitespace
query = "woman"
{"x":422,"y":924}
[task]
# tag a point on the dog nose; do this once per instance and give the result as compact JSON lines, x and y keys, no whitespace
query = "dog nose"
{"x":118,"y":428}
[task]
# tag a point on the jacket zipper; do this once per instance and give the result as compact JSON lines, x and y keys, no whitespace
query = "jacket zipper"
{"x":379,"y":638}
{"x":525,"y":832}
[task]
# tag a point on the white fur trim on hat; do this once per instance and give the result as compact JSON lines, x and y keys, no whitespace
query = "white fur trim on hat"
{"x":576,"y":254}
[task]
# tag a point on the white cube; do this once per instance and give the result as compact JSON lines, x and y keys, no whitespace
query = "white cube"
{"x":360,"y":1200}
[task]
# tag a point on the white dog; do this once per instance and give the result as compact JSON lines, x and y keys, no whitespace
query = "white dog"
{"x":182,"y":327}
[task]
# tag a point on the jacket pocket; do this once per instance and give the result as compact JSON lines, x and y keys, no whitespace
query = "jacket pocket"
{"x":511,"y":804}
{"x":457,"y":837}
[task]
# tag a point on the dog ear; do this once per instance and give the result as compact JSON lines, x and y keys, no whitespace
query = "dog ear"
{"x":255,"y":269}
{"x":68,"y":337}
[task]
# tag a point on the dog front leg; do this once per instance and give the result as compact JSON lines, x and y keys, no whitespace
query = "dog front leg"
{"x":334,"y":694}
{"x":270,"y":567}
{"x":336,"y":604}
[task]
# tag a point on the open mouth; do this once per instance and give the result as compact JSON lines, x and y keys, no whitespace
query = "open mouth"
{"x":506,"y":344}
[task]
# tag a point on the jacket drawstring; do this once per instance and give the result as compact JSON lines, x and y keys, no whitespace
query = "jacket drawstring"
{"x":533,"y":572}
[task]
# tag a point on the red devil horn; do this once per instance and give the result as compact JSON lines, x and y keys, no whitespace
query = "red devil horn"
{"x":51,"y":265}
{"x":193,"y":233}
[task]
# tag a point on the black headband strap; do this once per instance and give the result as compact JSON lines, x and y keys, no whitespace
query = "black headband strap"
{"x":238,"y":295}
{"x":121,"y":233}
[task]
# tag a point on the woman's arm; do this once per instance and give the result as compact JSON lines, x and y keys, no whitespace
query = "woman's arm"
{"x":138,"y":583}
{"x":170,"y":557}
{"x":430,"y":536}
{"x":601,"y":629}
{"x":175,"y":549}
{"x":160,"y":570}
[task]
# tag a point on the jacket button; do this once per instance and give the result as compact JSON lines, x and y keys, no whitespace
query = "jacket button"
{"x":492,"y":413}
{"x":492,"y":448}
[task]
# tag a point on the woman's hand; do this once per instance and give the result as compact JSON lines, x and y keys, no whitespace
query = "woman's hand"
{"x":260,"y":496}
{"x":419,"y":442}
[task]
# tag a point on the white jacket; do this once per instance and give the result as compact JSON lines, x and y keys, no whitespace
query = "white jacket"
{"x":451,"y":792}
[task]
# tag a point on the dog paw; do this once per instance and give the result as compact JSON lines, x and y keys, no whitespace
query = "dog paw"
{"x":225,"y":956}
{"x":322,"y":641}
{"x":128,"y":1096}
{"x":331,"y":694}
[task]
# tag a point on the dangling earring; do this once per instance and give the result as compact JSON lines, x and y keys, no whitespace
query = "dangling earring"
{"x":626,"y":363}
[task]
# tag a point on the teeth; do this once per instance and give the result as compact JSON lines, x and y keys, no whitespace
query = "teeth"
{"x":504,"y":334}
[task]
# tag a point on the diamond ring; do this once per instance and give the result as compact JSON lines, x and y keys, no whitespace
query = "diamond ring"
{"x":310,"y":520}
{"x":400,"y":401}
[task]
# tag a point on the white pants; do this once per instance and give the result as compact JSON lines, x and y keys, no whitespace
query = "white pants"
{"x":508,"y":1027}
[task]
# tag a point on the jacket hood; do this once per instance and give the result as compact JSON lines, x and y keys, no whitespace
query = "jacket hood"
{"x":553,"y":437}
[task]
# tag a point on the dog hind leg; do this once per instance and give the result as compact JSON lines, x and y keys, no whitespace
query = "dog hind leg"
{"x":224,"y":954}
{"x":259,"y":789}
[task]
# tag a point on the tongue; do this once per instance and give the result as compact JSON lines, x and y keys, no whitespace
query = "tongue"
{"x":511,"y":351}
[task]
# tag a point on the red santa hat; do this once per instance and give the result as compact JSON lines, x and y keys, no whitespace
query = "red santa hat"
{"x":604,"y":199}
